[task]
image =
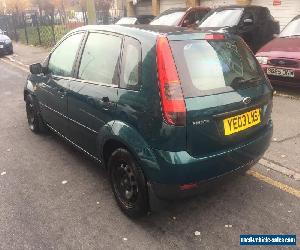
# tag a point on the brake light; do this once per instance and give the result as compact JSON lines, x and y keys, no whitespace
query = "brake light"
{"x":214,"y":37}
{"x":172,"y":100}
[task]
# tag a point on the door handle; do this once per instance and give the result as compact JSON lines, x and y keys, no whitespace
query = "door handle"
{"x":105,"y":99}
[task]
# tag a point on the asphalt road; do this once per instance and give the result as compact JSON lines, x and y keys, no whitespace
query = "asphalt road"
{"x":38,"y":211}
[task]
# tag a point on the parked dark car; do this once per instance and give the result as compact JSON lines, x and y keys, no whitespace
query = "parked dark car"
{"x":6,"y":47}
{"x":143,"y":19}
{"x":181,"y":17}
{"x":253,"y":23}
{"x":164,"y":109}
{"x":280,"y":58}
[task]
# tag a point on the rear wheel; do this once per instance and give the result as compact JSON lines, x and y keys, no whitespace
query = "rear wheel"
{"x":35,"y":122}
{"x":128,"y":183}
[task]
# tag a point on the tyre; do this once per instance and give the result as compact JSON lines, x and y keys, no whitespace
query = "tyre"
{"x":128,"y":183}
{"x":35,"y":121}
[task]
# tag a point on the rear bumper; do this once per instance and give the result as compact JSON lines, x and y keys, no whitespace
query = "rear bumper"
{"x":179,"y":168}
{"x":285,"y":83}
{"x":174,"y":192}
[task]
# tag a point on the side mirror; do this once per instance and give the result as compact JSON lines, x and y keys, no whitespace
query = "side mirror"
{"x":248,"y":21}
{"x":36,"y":69}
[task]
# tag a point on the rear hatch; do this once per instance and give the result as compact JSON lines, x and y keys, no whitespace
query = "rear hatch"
{"x":227,"y":96}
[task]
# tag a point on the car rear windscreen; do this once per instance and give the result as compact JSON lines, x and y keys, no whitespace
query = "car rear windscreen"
{"x":213,"y":66}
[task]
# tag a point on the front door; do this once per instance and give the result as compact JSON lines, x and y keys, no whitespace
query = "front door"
{"x":53,"y":87}
{"x":93,"y":95}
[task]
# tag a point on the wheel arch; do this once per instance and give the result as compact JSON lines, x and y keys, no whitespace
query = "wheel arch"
{"x":122,"y":135}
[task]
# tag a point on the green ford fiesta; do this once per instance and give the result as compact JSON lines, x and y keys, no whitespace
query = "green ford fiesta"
{"x":164,"y":109}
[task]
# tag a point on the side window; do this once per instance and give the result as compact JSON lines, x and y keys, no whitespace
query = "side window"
{"x":131,"y":64}
{"x":99,"y":62}
{"x":199,"y":15}
{"x":62,"y":58}
{"x":190,"y":19}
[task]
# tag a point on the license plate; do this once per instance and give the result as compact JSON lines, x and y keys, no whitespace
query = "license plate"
{"x":241,"y":122}
{"x":281,"y":72}
{"x":1,"y":46}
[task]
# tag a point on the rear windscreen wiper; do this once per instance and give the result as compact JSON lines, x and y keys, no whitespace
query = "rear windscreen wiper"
{"x":240,"y":80}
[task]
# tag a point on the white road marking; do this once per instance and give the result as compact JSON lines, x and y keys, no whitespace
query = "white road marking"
{"x":278,"y":168}
{"x":23,"y":68}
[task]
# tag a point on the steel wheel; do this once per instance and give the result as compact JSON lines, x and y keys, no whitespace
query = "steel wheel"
{"x":35,"y":121}
{"x":128,"y":183}
{"x":125,"y":184}
{"x":30,"y":115}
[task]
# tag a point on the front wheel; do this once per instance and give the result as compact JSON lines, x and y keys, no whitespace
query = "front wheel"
{"x":35,"y":122}
{"x":128,"y":183}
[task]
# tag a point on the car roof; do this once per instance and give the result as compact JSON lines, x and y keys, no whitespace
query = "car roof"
{"x":143,"y":32}
{"x":145,"y":16}
{"x":296,"y":17}
{"x":183,"y":9}
{"x":240,"y":7}
{"x":172,"y":10}
{"x":153,"y":30}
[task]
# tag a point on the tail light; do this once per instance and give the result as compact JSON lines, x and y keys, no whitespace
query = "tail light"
{"x":172,"y":100}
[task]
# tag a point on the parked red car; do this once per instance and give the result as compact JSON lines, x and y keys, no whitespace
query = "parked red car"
{"x":280,"y":58}
{"x":181,"y":17}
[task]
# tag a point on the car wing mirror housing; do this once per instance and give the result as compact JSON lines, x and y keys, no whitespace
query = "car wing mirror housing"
{"x":37,"y":68}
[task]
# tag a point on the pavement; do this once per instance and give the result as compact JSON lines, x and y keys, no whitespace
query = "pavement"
{"x":26,"y":55}
{"x":54,"y":197}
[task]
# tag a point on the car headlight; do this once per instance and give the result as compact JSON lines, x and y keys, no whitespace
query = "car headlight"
{"x":7,"y":41}
{"x":262,"y":59}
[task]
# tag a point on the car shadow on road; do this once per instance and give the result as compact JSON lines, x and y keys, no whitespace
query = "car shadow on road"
{"x":216,"y":189}
{"x":290,"y":91}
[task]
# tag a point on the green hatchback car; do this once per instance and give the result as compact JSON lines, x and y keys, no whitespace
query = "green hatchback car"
{"x":164,"y":109}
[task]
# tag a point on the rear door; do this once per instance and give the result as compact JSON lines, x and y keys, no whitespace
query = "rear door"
{"x":226,"y":94}
{"x":93,"y":95}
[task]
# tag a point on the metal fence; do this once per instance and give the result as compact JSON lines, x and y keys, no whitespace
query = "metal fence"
{"x":45,"y":30}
